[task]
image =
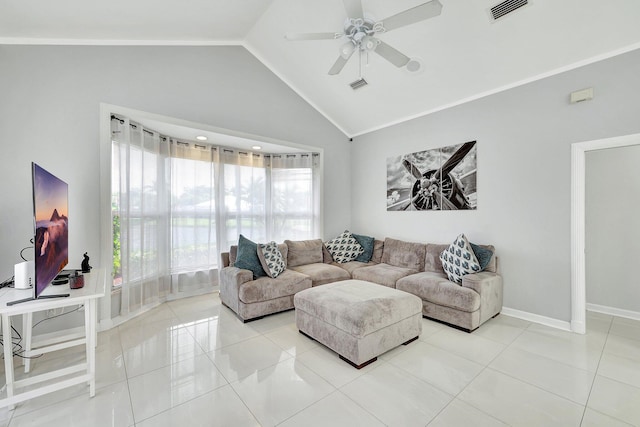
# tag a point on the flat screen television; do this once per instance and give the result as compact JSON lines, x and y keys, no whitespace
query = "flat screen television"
{"x":51,"y":224}
{"x":51,"y":230}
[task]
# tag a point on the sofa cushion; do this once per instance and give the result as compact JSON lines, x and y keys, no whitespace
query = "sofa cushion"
{"x":326,"y":255}
{"x":248,"y":257}
{"x":265,"y":288}
{"x":303,"y":252}
{"x":321,"y":273}
{"x":271,"y":259}
{"x":435,"y":288}
{"x":382,"y":274}
{"x":378,"y":247}
{"x":367,"y":244}
{"x":458,"y":259}
{"x":404,"y":254}
{"x":344,"y":248}
{"x":352,"y":265}
{"x":432,"y":259}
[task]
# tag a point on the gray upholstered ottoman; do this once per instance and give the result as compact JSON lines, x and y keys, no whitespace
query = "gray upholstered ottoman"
{"x":358,"y":320}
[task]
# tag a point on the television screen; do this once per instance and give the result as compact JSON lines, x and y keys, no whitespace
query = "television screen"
{"x":50,"y":209}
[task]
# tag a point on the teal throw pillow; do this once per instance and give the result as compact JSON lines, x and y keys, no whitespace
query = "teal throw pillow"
{"x":247,"y":257}
{"x":483,"y":255}
{"x":367,"y":243}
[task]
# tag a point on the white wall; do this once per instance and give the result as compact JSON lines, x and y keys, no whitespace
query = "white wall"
{"x":612,"y":206}
{"x":524,"y":137}
{"x":49,"y":113}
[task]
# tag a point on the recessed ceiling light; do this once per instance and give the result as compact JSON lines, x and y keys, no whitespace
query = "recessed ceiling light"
{"x":256,"y":147}
{"x":201,"y":138}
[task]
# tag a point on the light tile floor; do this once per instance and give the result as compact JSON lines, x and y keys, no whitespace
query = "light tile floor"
{"x":193,"y":363}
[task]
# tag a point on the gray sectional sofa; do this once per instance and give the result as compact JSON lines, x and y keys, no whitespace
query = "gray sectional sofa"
{"x":411,"y":267}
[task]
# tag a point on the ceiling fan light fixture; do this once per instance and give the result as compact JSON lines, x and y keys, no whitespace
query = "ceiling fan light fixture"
{"x":369,"y":43}
{"x":414,"y":65}
{"x":346,"y":50}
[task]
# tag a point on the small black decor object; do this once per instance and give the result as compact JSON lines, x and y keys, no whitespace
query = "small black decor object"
{"x":86,"y":268}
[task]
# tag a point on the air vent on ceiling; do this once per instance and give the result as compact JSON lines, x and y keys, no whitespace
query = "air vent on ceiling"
{"x":507,"y":6}
{"x":358,"y":84}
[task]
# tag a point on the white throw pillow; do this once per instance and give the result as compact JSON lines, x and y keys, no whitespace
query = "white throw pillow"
{"x":271,"y":259}
{"x":344,"y":248}
{"x":459,"y":259}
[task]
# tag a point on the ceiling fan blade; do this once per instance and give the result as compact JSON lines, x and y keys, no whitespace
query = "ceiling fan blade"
{"x":353,"y":8}
{"x":413,"y":15}
{"x":392,"y":55}
{"x":312,"y":36}
{"x":339,"y":64}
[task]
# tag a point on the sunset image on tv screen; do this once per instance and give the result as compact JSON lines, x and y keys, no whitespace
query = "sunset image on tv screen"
{"x":50,"y":202}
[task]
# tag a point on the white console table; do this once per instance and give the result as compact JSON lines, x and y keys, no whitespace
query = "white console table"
{"x":84,"y":372}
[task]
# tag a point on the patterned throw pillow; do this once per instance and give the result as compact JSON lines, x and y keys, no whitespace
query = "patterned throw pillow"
{"x":459,"y":259}
{"x":271,"y":259}
{"x":247,"y":257}
{"x":344,"y":248}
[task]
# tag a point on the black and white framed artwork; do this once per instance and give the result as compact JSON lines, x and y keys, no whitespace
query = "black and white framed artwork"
{"x":433,"y":180}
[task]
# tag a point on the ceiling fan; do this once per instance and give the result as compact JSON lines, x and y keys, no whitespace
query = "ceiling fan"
{"x":360,"y":33}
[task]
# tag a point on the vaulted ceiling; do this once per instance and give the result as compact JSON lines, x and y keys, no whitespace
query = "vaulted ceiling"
{"x":463,"y":52}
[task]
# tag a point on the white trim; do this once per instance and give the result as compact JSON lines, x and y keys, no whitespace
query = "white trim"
{"x":578,"y":267}
{"x":536,"y":318}
{"x":613,"y":311}
{"x":299,"y":92}
{"x":522,"y":82}
{"x":251,"y":50}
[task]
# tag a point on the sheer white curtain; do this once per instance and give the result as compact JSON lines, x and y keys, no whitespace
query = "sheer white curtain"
{"x":140,"y":212}
{"x":295,"y":197}
{"x":176,"y":205}
{"x":244,"y":193}
{"x":193,"y":249}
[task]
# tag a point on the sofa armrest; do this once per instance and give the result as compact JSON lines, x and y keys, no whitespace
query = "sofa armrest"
{"x":230,"y":280}
{"x":489,"y":286}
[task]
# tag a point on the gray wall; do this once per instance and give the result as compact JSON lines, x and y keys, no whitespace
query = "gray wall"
{"x":524,"y":137}
{"x":612,"y":203}
{"x":49,"y":113}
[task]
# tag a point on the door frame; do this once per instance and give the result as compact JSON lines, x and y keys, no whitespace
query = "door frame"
{"x":578,"y":231}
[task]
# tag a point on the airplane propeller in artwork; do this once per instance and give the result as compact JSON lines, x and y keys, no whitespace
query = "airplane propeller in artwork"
{"x":437,"y":189}
{"x":434,"y":180}
{"x":361,"y":33}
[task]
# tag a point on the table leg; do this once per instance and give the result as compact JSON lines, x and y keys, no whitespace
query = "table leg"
{"x":8,"y":354}
{"x":27,"y":330}
{"x":90,"y":331}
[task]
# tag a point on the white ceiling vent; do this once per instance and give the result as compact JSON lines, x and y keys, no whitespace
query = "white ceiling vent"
{"x":506,"y":7}
{"x":358,"y":84}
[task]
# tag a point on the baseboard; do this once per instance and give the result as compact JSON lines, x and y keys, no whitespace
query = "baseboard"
{"x":613,"y":311}
{"x":536,"y":318}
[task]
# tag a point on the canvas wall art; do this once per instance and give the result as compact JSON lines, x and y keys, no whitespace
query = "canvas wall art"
{"x":433,"y":180}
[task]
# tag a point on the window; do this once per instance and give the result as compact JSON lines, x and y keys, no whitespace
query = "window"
{"x":176,"y":205}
